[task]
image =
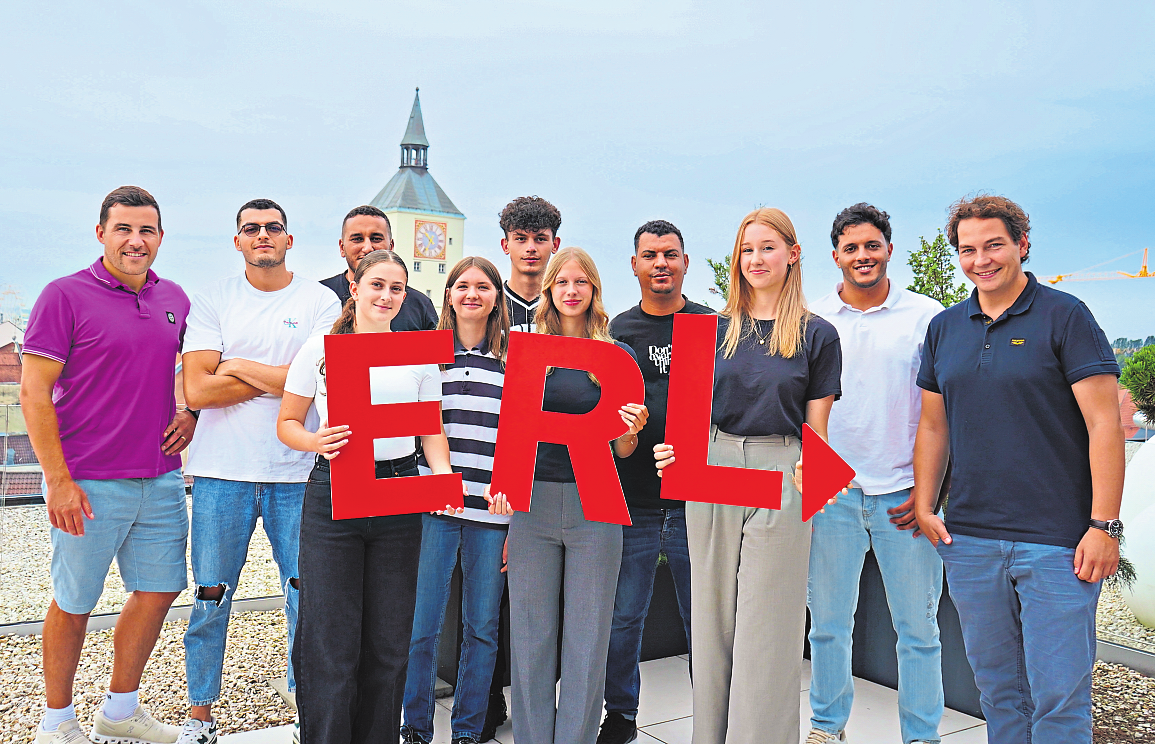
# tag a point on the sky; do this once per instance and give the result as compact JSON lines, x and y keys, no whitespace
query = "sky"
{"x":617,"y":112}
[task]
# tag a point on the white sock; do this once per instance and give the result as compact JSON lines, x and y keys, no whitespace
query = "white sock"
{"x":53,"y":717}
{"x":120,"y":705}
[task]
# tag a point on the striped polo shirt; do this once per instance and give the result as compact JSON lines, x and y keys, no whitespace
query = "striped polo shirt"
{"x":470,"y":402}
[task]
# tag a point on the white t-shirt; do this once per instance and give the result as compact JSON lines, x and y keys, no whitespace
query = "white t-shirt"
{"x":240,"y":321}
{"x":406,"y":384}
{"x":873,"y":425}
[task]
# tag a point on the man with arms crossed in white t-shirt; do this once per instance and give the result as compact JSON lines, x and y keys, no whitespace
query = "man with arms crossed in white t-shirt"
{"x":882,"y":328}
{"x":243,"y":333}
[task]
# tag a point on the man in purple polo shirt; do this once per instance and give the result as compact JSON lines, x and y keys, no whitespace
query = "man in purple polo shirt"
{"x":109,"y":437}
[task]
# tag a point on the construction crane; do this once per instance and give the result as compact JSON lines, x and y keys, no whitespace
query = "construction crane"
{"x":1086,"y":275}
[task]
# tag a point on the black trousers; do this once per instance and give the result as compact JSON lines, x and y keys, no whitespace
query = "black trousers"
{"x":358,"y":592}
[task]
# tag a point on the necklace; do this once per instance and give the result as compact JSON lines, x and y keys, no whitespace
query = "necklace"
{"x":761,"y":339}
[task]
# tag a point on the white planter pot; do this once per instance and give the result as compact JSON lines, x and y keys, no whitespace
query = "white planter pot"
{"x":1138,"y":487}
{"x":1140,"y":550}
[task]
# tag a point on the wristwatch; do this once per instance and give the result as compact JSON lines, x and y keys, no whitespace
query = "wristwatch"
{"x":1113,"y":527}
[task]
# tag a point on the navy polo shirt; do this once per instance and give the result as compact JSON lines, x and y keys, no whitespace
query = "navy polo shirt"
{"x":1018,"y":441}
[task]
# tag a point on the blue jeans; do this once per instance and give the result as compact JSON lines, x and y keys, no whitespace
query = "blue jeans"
{"x":1028,"y":625}
{"x":224,"y":515}
{"x":653,"y":531}
{"x":912,"y":575}
{"x":482,"y":583}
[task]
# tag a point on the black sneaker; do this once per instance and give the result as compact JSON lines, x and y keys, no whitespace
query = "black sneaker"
{"x":494,"y":716}
{"x":617,"y":729}
{"x":465,"y":740}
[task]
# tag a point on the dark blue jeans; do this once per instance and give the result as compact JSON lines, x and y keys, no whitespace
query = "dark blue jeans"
{"x":1028,"y":625}
{"x":481,"y":588}
{"x":653,"y":531}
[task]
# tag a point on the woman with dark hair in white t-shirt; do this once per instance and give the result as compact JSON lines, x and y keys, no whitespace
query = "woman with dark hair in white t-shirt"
{"x":358,"y":576}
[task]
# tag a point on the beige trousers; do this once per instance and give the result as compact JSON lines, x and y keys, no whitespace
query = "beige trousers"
{"x":748,"y":568}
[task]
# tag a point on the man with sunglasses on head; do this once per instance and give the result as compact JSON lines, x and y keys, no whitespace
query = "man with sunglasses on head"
{"x":367,"y":229}
{"x":242,"y":334}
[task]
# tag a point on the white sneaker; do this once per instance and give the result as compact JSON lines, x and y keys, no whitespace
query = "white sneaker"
{"x":296,"y":728}
{"x":139,"y":728}
{"x":66,"y":733}
{"x":818,"y":736}
{"x":198,"y":732}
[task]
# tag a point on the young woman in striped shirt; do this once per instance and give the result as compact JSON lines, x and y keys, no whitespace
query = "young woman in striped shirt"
{"x":475,"y":310}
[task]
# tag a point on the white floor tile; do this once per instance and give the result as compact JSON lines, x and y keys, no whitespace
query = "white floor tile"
{"x":974,"y":735}
{"x":666,"y":691}
{"x":278,"y":735}
{"x":678,"y":731}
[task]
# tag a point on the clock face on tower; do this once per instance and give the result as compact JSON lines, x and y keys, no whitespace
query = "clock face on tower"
{"x":429,"y":240}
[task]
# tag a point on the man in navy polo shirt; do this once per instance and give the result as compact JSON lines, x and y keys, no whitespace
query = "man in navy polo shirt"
{"x":97,"y":390}
{"x":1019,"y":387}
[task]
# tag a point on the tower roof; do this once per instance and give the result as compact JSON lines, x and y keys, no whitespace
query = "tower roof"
{"x":414,"y":188}
{"x":415,"y":132}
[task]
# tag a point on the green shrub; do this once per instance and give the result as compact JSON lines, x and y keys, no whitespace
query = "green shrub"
{"x":1139,"y":378}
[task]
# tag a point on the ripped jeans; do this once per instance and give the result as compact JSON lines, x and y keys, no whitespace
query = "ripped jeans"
{"x":224,"y":515}
{"x":912,"y":576}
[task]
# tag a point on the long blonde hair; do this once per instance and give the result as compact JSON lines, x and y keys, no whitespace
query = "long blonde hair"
{"x":548,"y":318}
{"x":792,"y":316}
{"x":497,"y":324}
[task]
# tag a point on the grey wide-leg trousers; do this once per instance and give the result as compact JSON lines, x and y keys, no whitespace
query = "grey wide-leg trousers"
{"x":748,"y":568}
{"x":553,"y":549}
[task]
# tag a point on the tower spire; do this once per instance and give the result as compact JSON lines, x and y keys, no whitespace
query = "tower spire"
{"x":414,"y":146}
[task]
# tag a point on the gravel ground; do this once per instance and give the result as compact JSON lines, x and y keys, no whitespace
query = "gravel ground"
{"x":255,"y":654}
{"x":1124,"y":703}
{"x":26,"y":586}
{"x":1116,"y":623}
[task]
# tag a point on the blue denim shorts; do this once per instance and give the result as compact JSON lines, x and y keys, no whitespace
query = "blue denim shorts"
{"x":142,"y":522}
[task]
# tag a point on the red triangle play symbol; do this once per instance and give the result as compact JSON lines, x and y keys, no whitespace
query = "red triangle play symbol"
{"x":824,"y":473}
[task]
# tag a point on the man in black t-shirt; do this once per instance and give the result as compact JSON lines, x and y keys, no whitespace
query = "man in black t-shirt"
{"x":367,"y":229}
{"x":659,"y":526}
{"x":529,"y":225}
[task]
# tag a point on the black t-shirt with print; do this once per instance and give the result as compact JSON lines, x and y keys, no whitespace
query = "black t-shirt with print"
{"x":760,"y":395}
{"x":651,"y":338}
{"x":566,"y":391}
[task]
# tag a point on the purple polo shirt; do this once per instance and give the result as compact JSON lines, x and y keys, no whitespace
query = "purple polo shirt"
{"x":114,"y":398}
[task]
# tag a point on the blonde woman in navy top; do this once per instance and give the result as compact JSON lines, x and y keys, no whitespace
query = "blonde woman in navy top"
{"x":777,"y":367}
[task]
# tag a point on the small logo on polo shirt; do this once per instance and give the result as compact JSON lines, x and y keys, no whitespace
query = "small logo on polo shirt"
{"x":290,"y":322}
{"x":171,"y":318}
{"x":1018,"y":341}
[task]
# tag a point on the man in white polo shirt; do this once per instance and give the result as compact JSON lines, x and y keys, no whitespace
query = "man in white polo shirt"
{"x":872,"y":427}
{"x":242,"y":334}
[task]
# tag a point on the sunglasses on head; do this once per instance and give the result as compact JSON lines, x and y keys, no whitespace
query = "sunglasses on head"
{"x":252,"y":229}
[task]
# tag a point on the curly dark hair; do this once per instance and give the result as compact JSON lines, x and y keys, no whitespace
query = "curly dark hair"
{"x":658,"y":228}
{"x":985,"y":207}
{"x":860,"y":214}
{"x":262,"y":204}
{"x":530,"y":213}
{"x":367,"y":211}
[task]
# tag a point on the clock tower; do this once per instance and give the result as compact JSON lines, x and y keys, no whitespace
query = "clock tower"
{"x":428,"y":230}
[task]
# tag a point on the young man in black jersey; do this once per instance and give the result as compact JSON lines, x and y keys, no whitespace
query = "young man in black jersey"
{"x":367,"y":229}
{"x":530,"y":226}
{"x":659,"y":262}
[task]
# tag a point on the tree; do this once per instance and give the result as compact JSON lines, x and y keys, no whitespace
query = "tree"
{"x":1139,"y":378}
{"x":721,"y":277}
{"x":934,"y":272}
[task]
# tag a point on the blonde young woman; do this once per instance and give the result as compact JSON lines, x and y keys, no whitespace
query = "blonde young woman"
{"x":358,"y":576}
{"x":777,"y":366}
{"x":553,"y":550}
